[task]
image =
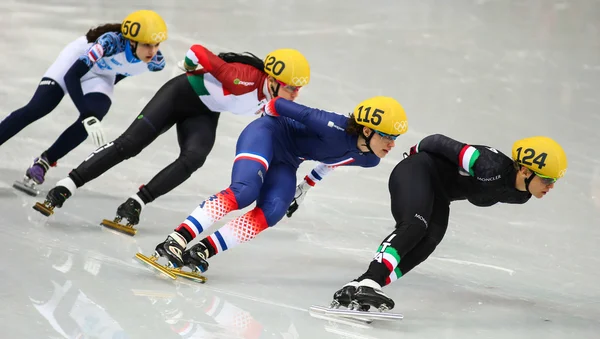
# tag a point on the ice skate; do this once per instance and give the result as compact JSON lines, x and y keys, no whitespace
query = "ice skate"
{"x":34,"y":176}
{"x":172,"y":249}
{"x":368,"y":293}
{"x":194,"y":258}
{"x":358,"y":297}
{"x":55,"y":198}
{"x":345,"y":295}
{"x":129,"y":210}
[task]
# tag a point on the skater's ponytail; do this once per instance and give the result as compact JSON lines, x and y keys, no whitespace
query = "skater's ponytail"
{"x":243,"y":58}
{"x":94,"y":33}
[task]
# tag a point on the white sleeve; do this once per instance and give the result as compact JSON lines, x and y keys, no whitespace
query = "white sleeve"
{"x":317,"y":174}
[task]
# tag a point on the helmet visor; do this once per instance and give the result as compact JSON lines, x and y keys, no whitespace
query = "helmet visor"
{"x":387,"y":136}
{"x":289,"y":88}
{"x":546,"y":180}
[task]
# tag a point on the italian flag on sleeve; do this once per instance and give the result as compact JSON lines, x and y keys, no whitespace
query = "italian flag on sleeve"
{"x":467,"y":157}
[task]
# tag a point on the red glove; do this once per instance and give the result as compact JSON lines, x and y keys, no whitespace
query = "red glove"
{"x":269,"y":108}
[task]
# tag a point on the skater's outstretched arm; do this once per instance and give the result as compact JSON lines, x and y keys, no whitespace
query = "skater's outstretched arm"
{"x":310,"y":180}
{"x":484,"y":163}
{"x":234,"y":79}
{"x":106,"y":45}
{"x":322,"y":122}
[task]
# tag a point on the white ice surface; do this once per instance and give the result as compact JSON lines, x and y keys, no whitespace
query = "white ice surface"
{"x":480,"y":71}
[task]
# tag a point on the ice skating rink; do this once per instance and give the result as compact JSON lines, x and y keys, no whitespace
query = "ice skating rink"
{"x":481,"y":71}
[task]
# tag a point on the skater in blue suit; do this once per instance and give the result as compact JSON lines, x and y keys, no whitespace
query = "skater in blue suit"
{"x":268,"y":153}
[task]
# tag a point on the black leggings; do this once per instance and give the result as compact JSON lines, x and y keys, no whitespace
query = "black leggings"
{"x":45,"y":99}
{"x":175,"y":103}
{"x":421,"y":216}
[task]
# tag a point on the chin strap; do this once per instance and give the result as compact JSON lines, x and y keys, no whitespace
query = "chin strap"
{"x":367,"y":140}
{"x":276,"y":90}
{"x":528,"y":181}
{"x":134,"y":45}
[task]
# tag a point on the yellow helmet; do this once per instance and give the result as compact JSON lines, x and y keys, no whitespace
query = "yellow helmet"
{"x":542,"y":155}
{"x":382,"y":114}
{"x":145,"y":26}
{"x":288,"y":66}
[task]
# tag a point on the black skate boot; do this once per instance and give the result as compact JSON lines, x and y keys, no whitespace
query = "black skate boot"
{"x":195,"y":257}
{"x":56,"y":197}
{"x":368,"y":293}
{"x":130,"y":210}
{"x":172,"y":248}
{"x":345,"y":295}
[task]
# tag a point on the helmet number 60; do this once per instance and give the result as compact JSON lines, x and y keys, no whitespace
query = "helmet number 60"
{"x":363,"y":115}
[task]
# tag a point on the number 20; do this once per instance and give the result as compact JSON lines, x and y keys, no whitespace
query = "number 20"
{"x":529,"y":153}
{"x":274,"y":65}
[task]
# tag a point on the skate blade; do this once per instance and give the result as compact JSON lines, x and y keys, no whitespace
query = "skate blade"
{"x":23,"y":187}
{"x":189,"y":275}
{"x":42,"y":208}
{"x":321,"y":313}
{"x":127,"y":229}
{"x":152,"y":262}
{"x":365,"y":314}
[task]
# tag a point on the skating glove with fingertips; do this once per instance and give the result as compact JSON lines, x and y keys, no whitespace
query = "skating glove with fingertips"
{"x":301,"y":191}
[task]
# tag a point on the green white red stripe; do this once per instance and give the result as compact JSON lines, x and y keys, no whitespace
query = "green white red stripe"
{"x":395,"y":275}
{"x":190,"y":58}
{"x":467,"y":157}
{"x":390,"y":257}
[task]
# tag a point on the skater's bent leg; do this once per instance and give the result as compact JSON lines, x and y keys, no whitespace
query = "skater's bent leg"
{"x":435,"y":234}
{"x":254,"y":151}
{"x":196,"y":136}
{"x":74,"y":135}
{"x":237,"y":231}
{"x":277,"y":192}
{"x":412,"y":200}
{"x":141,"y":133}
{"x":392,"y":251}
{"x":244,"y":190}
{"x":275,"y":197}
{"x":45,"y":99}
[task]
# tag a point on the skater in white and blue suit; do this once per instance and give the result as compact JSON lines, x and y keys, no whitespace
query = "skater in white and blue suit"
{"x":88,"y":69}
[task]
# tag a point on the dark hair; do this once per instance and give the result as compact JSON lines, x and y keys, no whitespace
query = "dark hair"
{"x":94,"y":33}
{"x":353,"y":128}
{"x":243,"y":58}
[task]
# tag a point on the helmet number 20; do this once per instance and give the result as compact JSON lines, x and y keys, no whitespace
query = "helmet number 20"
{"x":274,"y":65}
{"x":131,"y":28}
{"x":363,"y":115}
{"x":529,"y":153}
